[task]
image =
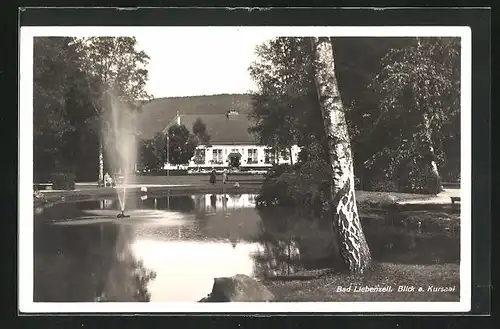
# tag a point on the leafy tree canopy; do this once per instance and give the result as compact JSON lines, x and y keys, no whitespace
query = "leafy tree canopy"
{"x":181,"y":145}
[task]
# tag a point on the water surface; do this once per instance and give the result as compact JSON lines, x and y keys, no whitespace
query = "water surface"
{"x":171,"y":248}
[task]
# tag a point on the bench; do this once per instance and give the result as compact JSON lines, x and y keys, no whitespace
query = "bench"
{"x":42,"y":186}
{"x":454,"y":199}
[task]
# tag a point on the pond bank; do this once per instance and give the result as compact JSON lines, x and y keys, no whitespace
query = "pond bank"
{"x":440,"y":282}
{"x":92,"y":192}
{"x":89,"y":194}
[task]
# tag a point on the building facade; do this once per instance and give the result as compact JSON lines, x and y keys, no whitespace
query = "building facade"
{"x":230,"y":144}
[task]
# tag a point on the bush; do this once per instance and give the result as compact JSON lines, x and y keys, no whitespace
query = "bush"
{"x":407,"y":166}
{"x":422,"y":180}
{"x":276,"y":171}
{"x":384,"y":186}
{"x":306,"y":187}
{"x":163,"y":172}
{"x":274,"y":190}
{"x":63,"y":181}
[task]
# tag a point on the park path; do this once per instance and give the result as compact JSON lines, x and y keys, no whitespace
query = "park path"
{"x":441,"y":198}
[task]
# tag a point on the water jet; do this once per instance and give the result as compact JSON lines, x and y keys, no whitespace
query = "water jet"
{"x":121,"y":146}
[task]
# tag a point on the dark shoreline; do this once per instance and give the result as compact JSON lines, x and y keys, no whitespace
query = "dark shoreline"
{"x":103,"y":192}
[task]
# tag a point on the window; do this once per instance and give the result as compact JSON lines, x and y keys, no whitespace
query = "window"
{"x":252,"y":156}
{"x":285,"y":154}
{"x":217,"y":156}
{"x":199,"y":156}
{"x":269,"y":156}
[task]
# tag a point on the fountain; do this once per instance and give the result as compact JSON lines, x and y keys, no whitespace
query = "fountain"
{"x":121,"y":148}
{"x":122,"y":215}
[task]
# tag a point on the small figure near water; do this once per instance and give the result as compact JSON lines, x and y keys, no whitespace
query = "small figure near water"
{"x":224,"y":176}
{"x":108,"y":181}
{"x":213,"y":177}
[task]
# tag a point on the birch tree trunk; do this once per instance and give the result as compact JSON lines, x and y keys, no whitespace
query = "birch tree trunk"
{"x":353,"y":247}
{"x":432,"y":156}
{"x":101,"y":161}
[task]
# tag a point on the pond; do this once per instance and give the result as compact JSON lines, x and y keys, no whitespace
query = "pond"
{"x":172,"y":247}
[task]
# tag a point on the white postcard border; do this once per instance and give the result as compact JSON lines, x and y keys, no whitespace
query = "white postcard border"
{"x":25,"y":209}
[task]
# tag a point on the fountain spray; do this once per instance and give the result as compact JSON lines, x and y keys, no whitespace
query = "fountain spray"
{"x":118,"y":130}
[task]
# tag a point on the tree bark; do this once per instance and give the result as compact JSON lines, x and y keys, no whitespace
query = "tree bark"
{"x":432,"y":156}
{"x":347,"y":226}
{"x":101,"y":161}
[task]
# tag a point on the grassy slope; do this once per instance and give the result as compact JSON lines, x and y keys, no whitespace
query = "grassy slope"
{"x":155,"y":115}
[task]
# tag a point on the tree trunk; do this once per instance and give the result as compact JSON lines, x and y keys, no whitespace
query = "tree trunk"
{"x":291,"y":156}
{"x":347,"y":226}
{"x":432,"y":156}
{"x":101,"y":162}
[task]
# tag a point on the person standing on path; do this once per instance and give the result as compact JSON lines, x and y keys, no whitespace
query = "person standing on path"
{"x":213,"y":177}
{"x":224,"y":176}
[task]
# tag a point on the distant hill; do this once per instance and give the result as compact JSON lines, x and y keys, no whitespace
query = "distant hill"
{"x":158,"y":113}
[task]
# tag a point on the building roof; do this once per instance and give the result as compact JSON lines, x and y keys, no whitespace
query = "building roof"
{"x":155,"y":115}
{"x":222,"y":130}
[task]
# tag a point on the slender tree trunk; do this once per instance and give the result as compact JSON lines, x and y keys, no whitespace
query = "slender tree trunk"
{"x":432,"y":156}
{"x":291,"y":156}
{"x":101,"y":161}
{"x":353,"y":247}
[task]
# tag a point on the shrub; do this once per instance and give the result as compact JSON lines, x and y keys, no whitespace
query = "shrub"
{"x":384,"y":186}
{"x":276,"y":171}
{"x":408,"y":166}
{"x":274,"y":190}
{"x":306,"y":187}
{"x":422,"y":180}
{"x":63,"y":181}
{"x":163,"y":172}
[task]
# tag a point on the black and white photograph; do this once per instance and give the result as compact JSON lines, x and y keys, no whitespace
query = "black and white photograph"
{"x":245,"y":169}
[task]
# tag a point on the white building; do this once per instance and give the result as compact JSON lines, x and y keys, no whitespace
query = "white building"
{"x":229,"y":139}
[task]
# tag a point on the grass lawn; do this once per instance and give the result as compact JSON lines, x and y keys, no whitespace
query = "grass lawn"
{"x":374,"y":198}
{"x":325,"y":287}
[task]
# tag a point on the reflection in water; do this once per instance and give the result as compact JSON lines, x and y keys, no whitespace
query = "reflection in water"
{"x":107,"y":204}
{"x":88,"y":263}
{"x":277,"y":258}
{"x":186,"y":269}
{"x":189,"y":240}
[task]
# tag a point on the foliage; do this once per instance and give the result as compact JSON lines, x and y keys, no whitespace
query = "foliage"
{"x":403,"y":169}
{"x":63,"y":181}
{"x":357,"y":62}
{"x":285,"y":110}
{"x":384,"y":186}
{"x":420,"y":92}
{"x":315,"y":151}
{"x":384,"y":91}
{"x":71,"y":79}
{"x":116,"y":63}
{"x":200,"y":132}
{"x":60,"y":113}
{"x":181,"y":145}
{"x":115,"y":71}
{"x":153,"y":152}
{"x":306,"y":187}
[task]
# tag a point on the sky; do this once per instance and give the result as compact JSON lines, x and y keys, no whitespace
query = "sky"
{"x":208,"y":60}
{"x":189,"y":64}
